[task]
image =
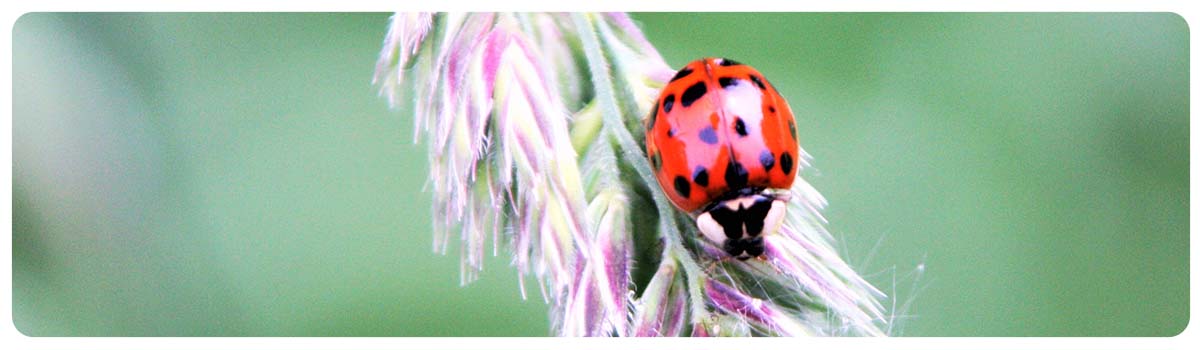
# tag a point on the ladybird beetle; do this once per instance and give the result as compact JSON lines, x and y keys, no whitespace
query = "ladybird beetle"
{"x":723,"y":145}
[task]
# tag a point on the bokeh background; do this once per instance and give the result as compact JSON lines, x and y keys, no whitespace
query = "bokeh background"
{"x":237,"y":174}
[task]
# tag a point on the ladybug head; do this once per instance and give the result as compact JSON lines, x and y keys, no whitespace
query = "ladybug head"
{"x":738,"y":224}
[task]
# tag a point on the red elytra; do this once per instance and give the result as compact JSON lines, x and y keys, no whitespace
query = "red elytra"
{"x":719,"y":129}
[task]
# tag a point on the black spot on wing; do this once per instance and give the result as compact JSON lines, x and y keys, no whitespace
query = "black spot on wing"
{"x":771,"y":109}
{"x":693,"y":93}
{"x":728,"y":62}
{"x":767,"y":160}
{"x":682,"y":73}
{"x":785,"y":163}
{"x":757,"y":81}
{"x":700,"y":176}
{"x":653,"y":117}
{"x":727,"y":82}
{"x":682,"y":186}
{"x":739,"y":126}
{"x":735,"y":175}
{"x":668,"y":103}
{"x":708,"y":135}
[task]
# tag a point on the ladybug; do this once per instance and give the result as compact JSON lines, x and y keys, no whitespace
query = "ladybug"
{"x":722,"y":143}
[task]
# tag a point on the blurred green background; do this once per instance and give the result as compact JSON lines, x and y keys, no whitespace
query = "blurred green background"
{"x":237,"y":174}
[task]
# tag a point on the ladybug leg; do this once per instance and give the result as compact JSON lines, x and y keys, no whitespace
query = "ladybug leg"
{"x":713,"y":264}
{"x":763,"y":259}
{"x":717,"y":266}
{"x":718,"y":261}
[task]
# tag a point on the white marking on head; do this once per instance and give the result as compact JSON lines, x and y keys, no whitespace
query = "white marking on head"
{"x":711,"y":229}
{"x":774,"y":217}
{"x":741,"y":203}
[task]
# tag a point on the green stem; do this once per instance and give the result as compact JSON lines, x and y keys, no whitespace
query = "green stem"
{"x":612,"y":121}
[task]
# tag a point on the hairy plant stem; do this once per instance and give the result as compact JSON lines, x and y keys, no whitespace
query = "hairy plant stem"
{"x":633,"y":154}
